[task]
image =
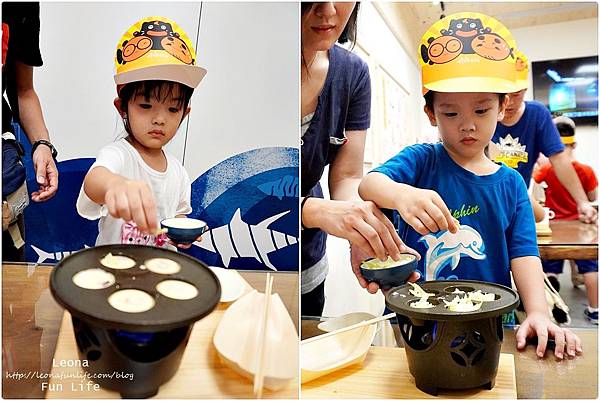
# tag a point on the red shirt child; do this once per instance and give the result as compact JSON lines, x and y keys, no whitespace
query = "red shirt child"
{"x":557,"y":197}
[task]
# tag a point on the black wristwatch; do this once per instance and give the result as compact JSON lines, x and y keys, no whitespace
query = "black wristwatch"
{"x":44,"y":142}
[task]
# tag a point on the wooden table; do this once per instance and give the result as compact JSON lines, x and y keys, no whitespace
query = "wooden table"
{"x":31,"y":321}
{"x":536,"y":377}
{"x":570,"y":240}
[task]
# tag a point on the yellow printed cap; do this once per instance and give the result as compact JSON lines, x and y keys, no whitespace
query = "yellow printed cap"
{"x":567,"y":140}
{"x":468,"y":52}
{"x":156,"y":48}
{"x":522,"y":70}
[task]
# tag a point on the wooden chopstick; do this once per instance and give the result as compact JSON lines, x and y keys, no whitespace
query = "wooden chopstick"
{"x":260,"y":354}
{"x":351,"y":327}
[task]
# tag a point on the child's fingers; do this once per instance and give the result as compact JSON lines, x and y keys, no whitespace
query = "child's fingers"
{"x":122,"y":205}
{"x":449,"y":221}
{"x":571,"y":340}
{"x":542,"y":343}
{"x":149,"y":207}
{"x":521,"y":335}
{"x":559,"y":340}
{"x":110,"y":203}
{"x":137,"y":213}
{"x":428,"y":222}
{"x":419,"y":227}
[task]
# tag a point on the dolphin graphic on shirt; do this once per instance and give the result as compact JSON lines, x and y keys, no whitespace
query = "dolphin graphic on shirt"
{"x":445,"y":248}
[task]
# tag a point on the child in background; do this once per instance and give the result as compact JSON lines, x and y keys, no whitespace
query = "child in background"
{"x":134,"y":179}
{"x":565,"y":208}
{"x":467,"y":69}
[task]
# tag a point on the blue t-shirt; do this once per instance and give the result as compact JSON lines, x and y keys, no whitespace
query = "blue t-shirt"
{"x":496,"y":220}
{"x":344,"y":105}
{"x":533,"y":134}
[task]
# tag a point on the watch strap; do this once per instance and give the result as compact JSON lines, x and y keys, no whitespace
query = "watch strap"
{"x":46,"y":143}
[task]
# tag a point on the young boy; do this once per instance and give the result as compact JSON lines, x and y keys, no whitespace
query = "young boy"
{"x":565,"y":208}
{"x":466,"y":72}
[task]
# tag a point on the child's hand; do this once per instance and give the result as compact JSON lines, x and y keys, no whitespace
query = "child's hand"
{"x":358,"y":255}
{"x":587,"y":213}
{"x":540,"y":325}
{"x":133,"y":200}
{"x":425,"y":211}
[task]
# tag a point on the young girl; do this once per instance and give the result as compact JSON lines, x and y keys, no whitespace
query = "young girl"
{"x":430,"y":185}
{"x":134,"y":183}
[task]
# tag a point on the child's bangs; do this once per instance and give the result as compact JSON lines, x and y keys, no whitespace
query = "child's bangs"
{"x":163,"y":91}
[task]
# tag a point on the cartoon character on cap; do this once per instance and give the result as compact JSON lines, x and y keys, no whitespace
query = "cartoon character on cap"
{"x":522,"y":71}
{"x":156,"y":48}
{"x":468,"y":52}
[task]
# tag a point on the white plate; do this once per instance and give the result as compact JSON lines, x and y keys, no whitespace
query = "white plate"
{"x":232,"y":285}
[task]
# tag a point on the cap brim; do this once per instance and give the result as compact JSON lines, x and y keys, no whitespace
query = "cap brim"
{"x":521,"y":84}
{"x":189,"y":75}
{"x":472,"y":84}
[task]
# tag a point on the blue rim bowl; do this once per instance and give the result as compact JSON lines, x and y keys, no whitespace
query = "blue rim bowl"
{"x":390,"y":276}
{"x":181,"y":235}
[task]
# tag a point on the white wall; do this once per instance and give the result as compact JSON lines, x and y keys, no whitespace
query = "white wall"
{"x":248,"y":99}
{"x":565,"y":40}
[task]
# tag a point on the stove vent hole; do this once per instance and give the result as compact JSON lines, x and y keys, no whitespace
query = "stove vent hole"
{"x":417,"y":337}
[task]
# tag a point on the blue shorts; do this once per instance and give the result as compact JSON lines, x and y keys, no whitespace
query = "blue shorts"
{"x":556,"y":266}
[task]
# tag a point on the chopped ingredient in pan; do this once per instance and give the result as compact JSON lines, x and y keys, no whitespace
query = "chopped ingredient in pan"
{"x":478,"y":296}
{"x":417,"y":291}
{"x":460,"y":304}
{"x":422,"y":303}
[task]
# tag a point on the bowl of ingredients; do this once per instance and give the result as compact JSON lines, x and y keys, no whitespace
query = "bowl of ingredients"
{"x":184,"y":230}
{"x":389,"y":273}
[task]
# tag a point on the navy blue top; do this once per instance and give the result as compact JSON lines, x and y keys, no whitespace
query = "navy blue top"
{"x":496,"y":220}
{"x":536,"y":131}
{"x":343,"y":105}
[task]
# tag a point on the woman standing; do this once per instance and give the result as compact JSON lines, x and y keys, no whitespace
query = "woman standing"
{"x":335,"y":112}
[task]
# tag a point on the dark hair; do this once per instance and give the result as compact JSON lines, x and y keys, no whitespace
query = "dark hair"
{"x":154,"y":88}
{"x":565,"y":129}
{"x":429,"y":99}
{"x":347,"y":35}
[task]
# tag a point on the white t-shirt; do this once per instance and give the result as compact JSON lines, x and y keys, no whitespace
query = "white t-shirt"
{"x":171,"y":189}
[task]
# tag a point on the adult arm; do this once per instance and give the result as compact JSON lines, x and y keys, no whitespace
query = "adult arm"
{"x":32,"y":121}
{"x":568,"y":178}
{"x":347,"y":216}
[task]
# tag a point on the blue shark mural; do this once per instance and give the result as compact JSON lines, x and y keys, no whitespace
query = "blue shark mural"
{"x":250,"y":202}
